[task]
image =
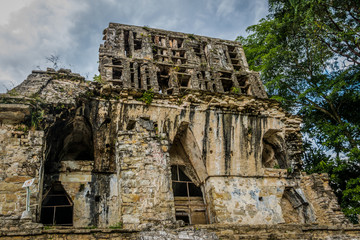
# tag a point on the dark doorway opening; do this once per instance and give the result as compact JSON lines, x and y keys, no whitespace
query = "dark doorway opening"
{"x":57,"y":207}
{"x":189,"y":202}
{"x":68,"y":143}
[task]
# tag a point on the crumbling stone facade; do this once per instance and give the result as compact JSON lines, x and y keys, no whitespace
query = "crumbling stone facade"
{"x":170,"y":62}
{"x":178,"y":131}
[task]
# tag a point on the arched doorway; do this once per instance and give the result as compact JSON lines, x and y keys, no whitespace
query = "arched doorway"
{"x":69,"y":150}
{"x":188,"y":173}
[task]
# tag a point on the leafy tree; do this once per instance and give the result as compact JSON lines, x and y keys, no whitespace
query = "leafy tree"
{"x":308,"y":54}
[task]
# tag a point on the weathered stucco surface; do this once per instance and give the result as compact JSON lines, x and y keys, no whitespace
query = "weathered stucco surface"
{"x":215,"y":150}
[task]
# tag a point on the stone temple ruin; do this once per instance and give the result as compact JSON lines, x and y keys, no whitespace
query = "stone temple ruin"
{"x":178,"y":140}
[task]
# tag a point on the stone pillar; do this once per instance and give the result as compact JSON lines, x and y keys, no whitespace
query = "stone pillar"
{"x":121,"y":44}
{"x":136,"y":75}
{"x":131,"y":43}
{"x":126,"y":78}
{"x":143,"y":76}
{"x":153,"y":78}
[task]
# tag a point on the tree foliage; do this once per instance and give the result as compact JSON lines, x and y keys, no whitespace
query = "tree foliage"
{"x":308,"y":53}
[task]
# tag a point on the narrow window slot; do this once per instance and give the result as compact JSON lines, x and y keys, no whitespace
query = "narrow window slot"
{"x":126,"y":43}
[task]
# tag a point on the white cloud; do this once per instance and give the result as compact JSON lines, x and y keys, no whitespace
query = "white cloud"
{"x":10,"y":7}
{"x":225,"y":8}
{"x":33,"y":32}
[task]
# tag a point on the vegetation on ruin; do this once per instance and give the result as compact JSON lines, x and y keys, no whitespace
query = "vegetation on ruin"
{"x":37,"y":117}
{"x":91,"y":227}
{"x":47,"y":227}
{"x":235,"y":90}
{"x":308,"y":53}
{"x":13,"y":92}
{"x":118,"y":225}
{"x":147,"y":97}
{"x":192,"y":36}
{"x":22,"y":128}
{"x":97,"y":78}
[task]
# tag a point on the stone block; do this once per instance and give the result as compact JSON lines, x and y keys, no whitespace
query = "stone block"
{"x":11,"y":197}
{"x":223,"y":196}
{"x":10,"y":187}
{"x":17,"y":179}
{"x":75,"y":177}
{"x":130,"y":219}
{"x":127,"y":210}
{"x":130,"y":198}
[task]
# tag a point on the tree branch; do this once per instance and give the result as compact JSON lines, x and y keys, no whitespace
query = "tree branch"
{"x":340,"y":53}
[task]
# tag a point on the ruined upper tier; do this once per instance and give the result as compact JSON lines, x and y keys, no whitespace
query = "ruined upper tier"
{"x":168,"y":62}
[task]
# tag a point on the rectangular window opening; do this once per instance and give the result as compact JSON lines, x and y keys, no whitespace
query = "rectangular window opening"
{"x":163,"y":82}
{"x":182,"y":54}
{"x":126,"y":43}
{"x":132,"y":79}
{"x":137,"y":44}
{"x":184,"y":80}
{"x":139,"y":76}
{"x":117,"y":73}
{"x":132,"y":74}
{"x":227,"y":85}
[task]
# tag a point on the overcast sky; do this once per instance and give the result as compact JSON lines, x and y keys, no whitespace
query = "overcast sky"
{"x":32,"y":30}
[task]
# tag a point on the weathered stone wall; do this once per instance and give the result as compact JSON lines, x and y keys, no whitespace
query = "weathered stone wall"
{"x":20,"y":156}
{"x":128,"y":178}
{"x":143,"y":167}
{"x":246,"y":200}
{"x":323,"y":199}
{"x":23,"y":140}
